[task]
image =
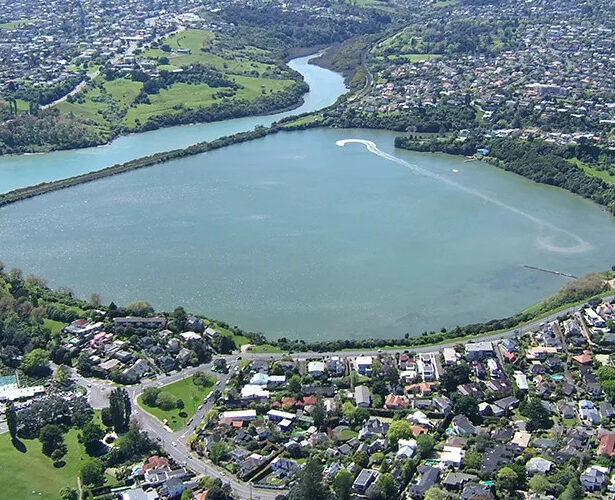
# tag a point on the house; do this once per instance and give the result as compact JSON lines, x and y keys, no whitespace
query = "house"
{"x":284,"y":467}
{"x":594,"y":477}
{"x":429,"y":477}
{"x":363,"y":365}
{"x":452,"y":456}
{"x":566,"y":409}
{"x":136,"y":371}
{"x":450,"y":356}
{"x":316,"y":368}
{"x":364,"y":480}
{"x":472,"y":491}
{"x":361,"y":396}
{"x":428,"y":367}
{"x":462,"y":426}
{"x":166,"y":363}
{"x":500,"y":388}
{"x":373,"y":427}
{"x":538,"y":465}
{"x":139,"y":494}
{"x":254,"y":461}
{"x":252,"y":392}
{"x":477,"y":351}
{"x":172,"y":488}
{"x":239,"y":415}
{"x":405,"y":448}
{"x":259,"y":378}
{"x":336,"y":365}
{"x":588,"y":412}
{"x":471,"y":389}
{"x":499,"y":455}
{"x":278,"y":416}
{"x":443,"y":404}
{"x":393,"y":402}
{"x":508,"y":403}
{"x":521,"y":381}
{"x":606,"y":410}
{"x":606,"y":444}
{"x":455,"y":480}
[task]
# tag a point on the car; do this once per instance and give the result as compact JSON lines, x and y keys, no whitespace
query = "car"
{"x":200,"y":406}
{"x":222,"y":473}
{"x":173,"y":443}
{"x":218,"y":382}
{"x":190,"y":421}
{"x":89,"y":385}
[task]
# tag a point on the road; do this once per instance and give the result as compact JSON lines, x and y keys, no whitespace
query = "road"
{"x":174,"y":443}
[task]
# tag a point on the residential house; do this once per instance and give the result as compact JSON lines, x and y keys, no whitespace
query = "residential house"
{"x":594,"y":477}
{"x":461,"y":426}
{"x":477,"y":351}
{"x":429,"y":477}
{"x":361,"y":396}
{"x":363,"y":365}
{"x":364,"y":480}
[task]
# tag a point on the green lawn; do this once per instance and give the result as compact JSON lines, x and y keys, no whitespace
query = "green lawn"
{"x":593,"y":171}
{"x":32,"y":474}
{"x":192,"y":396}
{"x":11,"y":25}
{"x":267,"y":348}
{"x":56,"y":327}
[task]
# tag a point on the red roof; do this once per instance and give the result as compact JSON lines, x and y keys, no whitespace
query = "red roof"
{"x":155,"y":462}
{"x":393,"y":401}
{"x":309,"y":400}
{"x":606,"y":445}
{"x":583,"y":359}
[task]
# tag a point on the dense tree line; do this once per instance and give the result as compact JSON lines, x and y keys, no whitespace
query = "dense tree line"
{"x":47,"y":94}
{"x":535,"y":159}
{"x":267,"y":26}
{"x":432,"y":119}
{"x":48,"y":130}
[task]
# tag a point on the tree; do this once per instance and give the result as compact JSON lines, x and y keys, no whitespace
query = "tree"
{"x":310,"y":485}
{"x":218,"y":452}
{"x":454,"y":376}
{"x":179,"y":404}
{"x":139,"y":308}
{"x":386,"y":488}
{"x":467,"y":405}
{"x":225,"y":344}
{"x":539,"y":416}
{"x":573,"y":491}
{"x":105,"y":416}
{"x":399,"y":429}
{"x":473,"y":460}
{"x":539,"y":483}
{"x":349,"y":411}
{"x":507,"y":479}
{"x":425,"y":444}
{"x":51,"y":438}
{"x":361,"y":458}
{"x":342,"y":484}
{"x":62,"y":375}
{"x":67,"y":493}
{"x":319,"y":414}
{"x":35,"y":363}
{"x":294,"y":384}
{"x":166,"y":401}
{"x":91,"y":436}
{"x":120,"y":408}
{"x":149,"y":395}
{"x":92,"y":472}
{"x":435,"y":493}
{"x":11,"y":420}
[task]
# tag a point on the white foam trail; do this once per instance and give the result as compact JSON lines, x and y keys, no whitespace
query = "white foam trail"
{"x":580,"y":246}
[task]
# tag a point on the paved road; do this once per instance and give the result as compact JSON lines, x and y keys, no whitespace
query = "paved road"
{"x":175,"y":442}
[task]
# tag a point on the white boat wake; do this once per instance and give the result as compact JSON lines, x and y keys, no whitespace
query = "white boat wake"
{"x":580,"y":244}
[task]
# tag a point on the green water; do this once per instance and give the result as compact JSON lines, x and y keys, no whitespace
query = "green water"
{"x":293,"y":235}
